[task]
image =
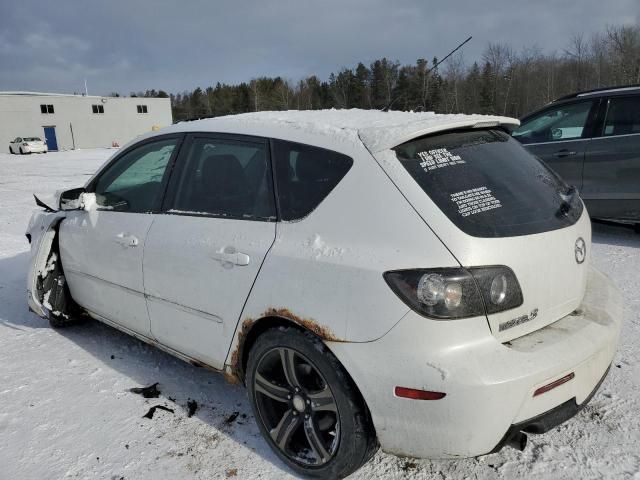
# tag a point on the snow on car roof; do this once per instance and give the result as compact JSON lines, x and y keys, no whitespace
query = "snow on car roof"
{"x":378,"y":130}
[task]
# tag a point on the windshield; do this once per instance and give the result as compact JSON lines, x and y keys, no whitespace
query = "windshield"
{"x":32,"y":139}
{"x":488,"y":185}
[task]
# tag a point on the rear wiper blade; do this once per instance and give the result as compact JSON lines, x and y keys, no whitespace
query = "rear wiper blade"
{"x":46,"y":207}
{"x":567,"y":201}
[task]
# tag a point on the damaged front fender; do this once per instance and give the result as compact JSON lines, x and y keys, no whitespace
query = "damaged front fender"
{"x":42,"y":230}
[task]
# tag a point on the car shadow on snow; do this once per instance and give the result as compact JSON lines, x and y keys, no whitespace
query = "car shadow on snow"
{"x":223,"y":407}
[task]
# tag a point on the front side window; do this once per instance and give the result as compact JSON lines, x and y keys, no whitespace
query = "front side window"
{"x":305,"y":176}
{"x":566,"y":122}
{"x":226,"y":178}
{"x":488,"y":185}
{"x":134,"y":182}
{"x":623,"y":116}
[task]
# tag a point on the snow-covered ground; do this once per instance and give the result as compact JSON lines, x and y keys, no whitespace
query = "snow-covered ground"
{"x":66,"y":410}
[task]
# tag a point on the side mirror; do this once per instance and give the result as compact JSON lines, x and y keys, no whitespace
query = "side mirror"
{"x":70,"y":199}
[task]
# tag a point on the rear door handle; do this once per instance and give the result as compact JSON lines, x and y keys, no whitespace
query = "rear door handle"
{"x":236,"y":258}
{"x":565,"y":153}
{"x":127,"y":240}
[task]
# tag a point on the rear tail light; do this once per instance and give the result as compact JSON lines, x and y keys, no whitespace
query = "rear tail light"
{"x":450,"y":293}
{"x":414,"y":394}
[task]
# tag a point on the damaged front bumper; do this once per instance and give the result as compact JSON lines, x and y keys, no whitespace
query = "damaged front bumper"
{"x":41,"y":231}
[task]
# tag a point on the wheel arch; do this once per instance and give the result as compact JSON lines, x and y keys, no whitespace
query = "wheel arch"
{"x":248,"y":332}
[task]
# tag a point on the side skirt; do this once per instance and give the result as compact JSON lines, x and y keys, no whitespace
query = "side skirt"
{"x":150,"y":341}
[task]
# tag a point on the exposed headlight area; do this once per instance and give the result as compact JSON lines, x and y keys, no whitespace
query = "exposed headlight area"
{"x":451,"y":293}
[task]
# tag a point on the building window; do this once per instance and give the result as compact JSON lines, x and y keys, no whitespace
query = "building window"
{"x":97,"y":108}
{"x":142,"y":109}
{"x":46,"y":108}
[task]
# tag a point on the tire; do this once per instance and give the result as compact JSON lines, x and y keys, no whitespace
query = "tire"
{"x":21,"y":152}
{"x":312,"y":417}
{"x":10,"y":151}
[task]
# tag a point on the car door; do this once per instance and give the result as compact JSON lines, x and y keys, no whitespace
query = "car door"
{"x":102,"y":245}
{"x":558,"y":136}
{"x":611,"y":184}
{"x":204,"y":252}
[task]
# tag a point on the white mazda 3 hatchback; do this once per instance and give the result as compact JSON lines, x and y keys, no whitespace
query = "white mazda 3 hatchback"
{"x":409,"y":280}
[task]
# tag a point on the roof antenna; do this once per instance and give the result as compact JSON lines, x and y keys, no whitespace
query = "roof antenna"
{"x":386,"y":109}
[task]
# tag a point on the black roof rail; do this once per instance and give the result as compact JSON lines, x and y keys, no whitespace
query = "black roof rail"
{"x":596,"y":90}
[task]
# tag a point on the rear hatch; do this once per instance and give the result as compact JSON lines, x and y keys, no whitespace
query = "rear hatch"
{"x":493,"y":203}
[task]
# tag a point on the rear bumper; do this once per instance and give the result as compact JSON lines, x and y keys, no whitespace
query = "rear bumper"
{"x":548,"y":420}
{"x":489,"y":386}
{"x":30,"y":149}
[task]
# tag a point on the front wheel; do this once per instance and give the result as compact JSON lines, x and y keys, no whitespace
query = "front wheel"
{"x":306,"y":405}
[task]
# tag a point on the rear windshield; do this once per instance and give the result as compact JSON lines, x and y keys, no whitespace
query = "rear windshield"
{"x":489,"y":185}
{"x":32,"y":139}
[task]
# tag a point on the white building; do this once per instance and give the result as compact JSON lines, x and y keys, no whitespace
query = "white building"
{"x":78,"y":121}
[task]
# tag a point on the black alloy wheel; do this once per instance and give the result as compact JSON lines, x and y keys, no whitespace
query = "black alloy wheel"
{"x":306,"y":406}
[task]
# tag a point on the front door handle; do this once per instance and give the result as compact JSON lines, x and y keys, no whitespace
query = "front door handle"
{"x":236,"y":258}
{"x":127,"y":240}
{"x":565,"y":153}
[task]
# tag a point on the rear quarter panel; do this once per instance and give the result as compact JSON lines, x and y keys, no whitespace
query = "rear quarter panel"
{"x":325,"y":271}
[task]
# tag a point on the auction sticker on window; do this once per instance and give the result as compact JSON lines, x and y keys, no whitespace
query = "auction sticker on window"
{"x":475,"y":200}
{"x":438,"y":158}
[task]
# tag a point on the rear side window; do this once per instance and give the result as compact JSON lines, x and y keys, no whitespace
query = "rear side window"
{"x":305,"y":176}
{"x":623,"y":116}
{"x":226,"y":178}
{"x":488,"y":185}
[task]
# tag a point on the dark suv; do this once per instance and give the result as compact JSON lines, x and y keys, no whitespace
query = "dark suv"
{"x":592,"y":139}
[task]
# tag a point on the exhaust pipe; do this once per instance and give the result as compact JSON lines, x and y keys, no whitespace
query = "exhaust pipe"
{"x":518,"y":441}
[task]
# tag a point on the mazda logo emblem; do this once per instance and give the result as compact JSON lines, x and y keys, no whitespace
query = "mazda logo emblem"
{"x":580,"y":250}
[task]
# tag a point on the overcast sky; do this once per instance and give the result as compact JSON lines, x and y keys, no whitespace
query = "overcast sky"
{"x":134,"y":45}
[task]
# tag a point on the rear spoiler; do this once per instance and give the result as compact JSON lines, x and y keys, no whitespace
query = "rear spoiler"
{"x":377,"y":139}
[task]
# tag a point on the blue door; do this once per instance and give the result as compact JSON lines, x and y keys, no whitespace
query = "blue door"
{"x":50,"y":136}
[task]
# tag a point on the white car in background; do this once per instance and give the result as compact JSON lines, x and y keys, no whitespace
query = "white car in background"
{"x":23,"y":145}
{"x":410,"y":280}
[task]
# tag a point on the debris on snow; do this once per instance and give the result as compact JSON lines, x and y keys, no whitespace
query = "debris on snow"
{"x":147,"y":392}
{"x":192,"y":406}
{"x":153,"y":409}
{"x":231,"y":418}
